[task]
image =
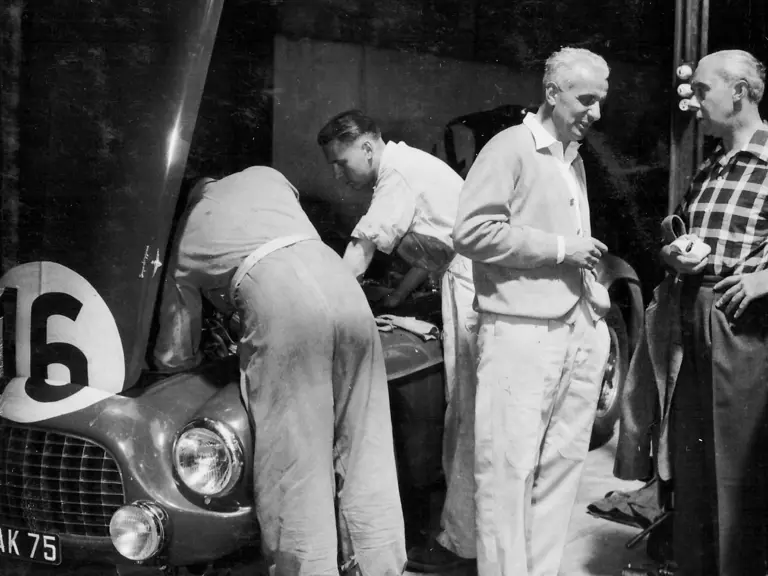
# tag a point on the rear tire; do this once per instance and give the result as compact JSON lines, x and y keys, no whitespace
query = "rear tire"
{"x":613,"y":379}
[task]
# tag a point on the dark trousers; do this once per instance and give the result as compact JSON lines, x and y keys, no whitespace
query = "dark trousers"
{"x":719,"y":439}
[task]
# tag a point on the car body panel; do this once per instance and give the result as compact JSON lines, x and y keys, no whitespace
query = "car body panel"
{"x":100,"y":200}
{"x":613,"y":272}
{"x":138,"y":428}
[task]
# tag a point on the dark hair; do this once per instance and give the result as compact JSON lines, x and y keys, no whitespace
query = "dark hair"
{"x":347,"y":127}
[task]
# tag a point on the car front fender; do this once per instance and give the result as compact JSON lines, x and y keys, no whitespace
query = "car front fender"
{"x":623,"y":283}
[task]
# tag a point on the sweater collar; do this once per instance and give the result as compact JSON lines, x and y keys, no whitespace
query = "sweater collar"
{"x":543,"y":140}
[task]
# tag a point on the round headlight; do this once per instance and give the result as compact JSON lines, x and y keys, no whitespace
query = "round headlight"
{"x":137,"y":530}
{"x":208,"y":457}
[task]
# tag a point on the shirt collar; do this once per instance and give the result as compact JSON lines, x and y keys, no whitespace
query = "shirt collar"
{"x":390,"y":151}
{"x":544,"y":140}
{"x":757,"y":146}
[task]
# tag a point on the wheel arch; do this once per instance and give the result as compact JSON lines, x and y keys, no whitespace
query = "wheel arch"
{"x":623,"y":284}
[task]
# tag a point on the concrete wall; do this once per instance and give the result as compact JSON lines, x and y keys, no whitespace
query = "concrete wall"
{"x":412,"y":96}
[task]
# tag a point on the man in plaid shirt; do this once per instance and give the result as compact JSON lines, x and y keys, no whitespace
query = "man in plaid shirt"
{"x":720,"y":408}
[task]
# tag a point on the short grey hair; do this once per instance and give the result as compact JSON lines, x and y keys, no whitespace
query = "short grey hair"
{"x":740,"y":65}
{"x":560,"y":66}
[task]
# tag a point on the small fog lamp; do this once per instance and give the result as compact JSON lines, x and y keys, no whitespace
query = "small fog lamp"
{"x":138,"y":530}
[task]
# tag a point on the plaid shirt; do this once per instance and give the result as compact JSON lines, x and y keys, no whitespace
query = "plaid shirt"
{"x":727,"y":207}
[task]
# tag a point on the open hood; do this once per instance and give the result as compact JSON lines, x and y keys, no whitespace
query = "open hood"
{"x":107,"y":111}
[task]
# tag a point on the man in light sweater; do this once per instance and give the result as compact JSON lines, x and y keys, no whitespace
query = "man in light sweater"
{"x":542,"y":344}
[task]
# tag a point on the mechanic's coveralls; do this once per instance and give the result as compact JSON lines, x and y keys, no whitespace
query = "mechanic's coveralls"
{"x":413,"y":210}
{"x":312,"y":370}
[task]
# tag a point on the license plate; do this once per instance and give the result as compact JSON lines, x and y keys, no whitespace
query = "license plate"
{"x":30,"y":546}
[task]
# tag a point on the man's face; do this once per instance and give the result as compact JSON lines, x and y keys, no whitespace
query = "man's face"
{"x":351,"y":162}
{"x":712,"y":97}
{"x":578,"y":102}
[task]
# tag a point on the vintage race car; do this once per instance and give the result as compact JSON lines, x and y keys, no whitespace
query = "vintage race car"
{"x":104,"y":462}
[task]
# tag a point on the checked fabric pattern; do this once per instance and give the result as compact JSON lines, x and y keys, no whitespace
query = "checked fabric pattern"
{"x":727,"y":207}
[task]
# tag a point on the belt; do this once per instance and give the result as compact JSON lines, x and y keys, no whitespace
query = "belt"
{"x":254,"y":257}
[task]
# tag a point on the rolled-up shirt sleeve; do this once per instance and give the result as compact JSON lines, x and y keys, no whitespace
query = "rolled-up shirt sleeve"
{"x":390,"y":215}
{"x":486,"y":229}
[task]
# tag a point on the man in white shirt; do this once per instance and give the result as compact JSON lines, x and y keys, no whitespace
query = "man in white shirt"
{"x":524,"y":221}
{"x":412,"y":211}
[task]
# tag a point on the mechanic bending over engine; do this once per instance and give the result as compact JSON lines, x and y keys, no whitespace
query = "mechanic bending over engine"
{"x":312,"y":373}
{"x":413,"y":210}
{"x":542,"y":342}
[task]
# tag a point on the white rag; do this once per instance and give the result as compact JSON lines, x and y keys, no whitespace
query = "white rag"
{"x":425,"y":330}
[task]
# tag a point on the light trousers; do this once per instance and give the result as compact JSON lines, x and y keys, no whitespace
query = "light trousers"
{"x":313,"y":374}
{"x":537,"y":393}
{"x":459,"y":354}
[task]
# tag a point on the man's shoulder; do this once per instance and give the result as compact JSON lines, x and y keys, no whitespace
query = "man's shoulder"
{"x":414,"y":165}
{"x":515,"y":144}
{"x":406,"y":155}
{"x":758,"y":144}
{"x":265,"y":173}
{"x":517,"y":138}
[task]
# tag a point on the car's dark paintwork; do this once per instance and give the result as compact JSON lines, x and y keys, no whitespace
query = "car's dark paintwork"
{"x":108,"y":112}
{"x":138,"y":429}
{"x":139,"y":433}
{"x":614,"y":272}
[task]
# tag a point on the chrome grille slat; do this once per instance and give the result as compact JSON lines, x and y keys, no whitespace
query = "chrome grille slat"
{"x":88,"y":519}
{"x":74,"y":469}
{"x":18,"y":492}
{"x":29,"y":487}
{"x":56,"y":482}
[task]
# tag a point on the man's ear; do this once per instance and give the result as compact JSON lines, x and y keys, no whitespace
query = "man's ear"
{"x":740,"y":90}
{"x":368,"y":148}
{"x":550,"y":92}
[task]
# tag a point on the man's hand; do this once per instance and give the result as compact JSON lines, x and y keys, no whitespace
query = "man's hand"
{"x":414,"y":278}
{"x":740,"y":290}
{"x":583,"y":252}
{"x":391,"y":300}
{"x":685,"y":262}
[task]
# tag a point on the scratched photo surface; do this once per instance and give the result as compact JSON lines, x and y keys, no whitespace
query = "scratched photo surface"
{"x":111,"y":110}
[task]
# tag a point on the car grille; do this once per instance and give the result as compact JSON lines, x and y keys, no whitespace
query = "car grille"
{"x":57,"y":483}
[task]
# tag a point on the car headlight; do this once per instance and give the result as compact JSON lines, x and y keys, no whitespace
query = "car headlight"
{"x":138,"y":530}
{"x":208,"y":457}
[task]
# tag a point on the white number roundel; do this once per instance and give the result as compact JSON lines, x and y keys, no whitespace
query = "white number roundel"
{"x":69,"y":354}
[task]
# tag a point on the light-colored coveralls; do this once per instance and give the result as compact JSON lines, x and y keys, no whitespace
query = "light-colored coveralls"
{"x":413,"y":210}
{"x":312,"y":370}
{"x":542,"y":347}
